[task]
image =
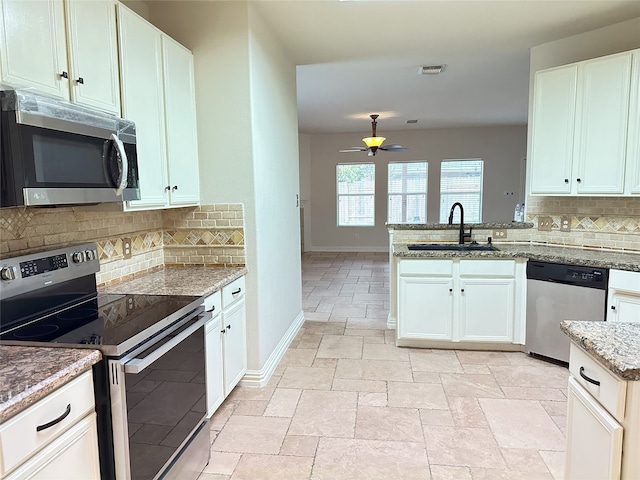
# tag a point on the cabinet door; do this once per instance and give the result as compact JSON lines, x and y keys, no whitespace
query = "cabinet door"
{"x":143,"y":102}
{"x":486,"y":309}
{"x":594,"y":438}
{"x":33,"y":51}
{"x":72,"y":456}
{"x":180,"y":108}
{"x":214,"y":366}
{"x":601,"y":130}
{"x":425,"y":307}
{"x":633,"y":137}
{"x":623,"y":307}
{"x":554,"y":105}
{"x":235,"y":344}
{"x":93,"y":54}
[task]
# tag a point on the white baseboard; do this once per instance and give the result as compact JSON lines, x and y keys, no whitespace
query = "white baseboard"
{"x":391,"y":322}
{"x":259,"y":378}
{"x":355,"y":249}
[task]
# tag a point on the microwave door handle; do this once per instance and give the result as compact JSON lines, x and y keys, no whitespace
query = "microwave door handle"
{"x":124,"y":164}
{"x":136,"y":365}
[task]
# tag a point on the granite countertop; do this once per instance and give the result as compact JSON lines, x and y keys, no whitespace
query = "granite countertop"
{"x":177,"y":280}
{"x":545,"y":253}
{"x":28,"y":374}
{"x":614,"y":345}
{"x":446,"y":226}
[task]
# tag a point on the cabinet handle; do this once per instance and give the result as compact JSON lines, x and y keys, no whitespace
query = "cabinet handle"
{"x":228,"y":327}
{"x":566,"y":180}
{"x":80,"y":80}
{"x":167,"y":188}
{"x":64,"y":75}
{"x":236,"y":292}
{"x":66,"y":413}
{"x":590,"y":380}
{"x":578,"y":180}
{"x":175,"y":187}
{"x":223,"y":331}
{"x":613,"y":307}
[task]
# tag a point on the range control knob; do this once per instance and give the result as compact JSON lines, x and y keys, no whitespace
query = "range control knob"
{"x":8,"y":273}
{"x":90,"y":255}
{"x":77,"y":257}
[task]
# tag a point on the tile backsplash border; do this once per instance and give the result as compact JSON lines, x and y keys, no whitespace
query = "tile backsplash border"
{"x":210,"y":235}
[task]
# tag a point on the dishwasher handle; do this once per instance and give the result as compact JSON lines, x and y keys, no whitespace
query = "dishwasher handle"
{"x":137,"y":365}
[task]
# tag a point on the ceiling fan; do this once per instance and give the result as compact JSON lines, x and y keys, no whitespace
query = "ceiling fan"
{"x":374,"y":143}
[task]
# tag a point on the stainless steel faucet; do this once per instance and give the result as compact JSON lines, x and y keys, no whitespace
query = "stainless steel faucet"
{"x":463,"y":235}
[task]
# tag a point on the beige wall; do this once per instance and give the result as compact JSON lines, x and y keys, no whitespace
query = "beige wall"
{"x":596,"y":221}
{"x":248,"y":148}
{"x":501,"y":148}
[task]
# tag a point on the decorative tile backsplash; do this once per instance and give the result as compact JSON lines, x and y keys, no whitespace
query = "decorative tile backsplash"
{"x":205,"y":235}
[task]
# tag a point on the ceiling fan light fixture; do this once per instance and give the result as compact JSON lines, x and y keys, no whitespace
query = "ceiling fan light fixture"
{"x":373,"y":141}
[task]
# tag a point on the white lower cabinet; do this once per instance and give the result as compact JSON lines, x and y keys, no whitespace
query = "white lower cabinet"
{"x":623,"y":296}
{"x":225,"y":342}
{"x":603,"y":422}
{"x":54,"y":438}
{"x":461,"y":301}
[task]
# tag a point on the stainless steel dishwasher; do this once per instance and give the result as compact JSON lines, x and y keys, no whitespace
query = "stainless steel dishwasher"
{"x":557,"y":292}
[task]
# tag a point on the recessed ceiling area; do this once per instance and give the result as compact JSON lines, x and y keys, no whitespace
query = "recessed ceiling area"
{"x":356,"y":58}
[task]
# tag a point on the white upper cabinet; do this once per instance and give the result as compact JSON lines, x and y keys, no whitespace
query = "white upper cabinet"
{"x":601,"y":128}
{"x":552,"y":135}
{"x":158,"y":94}
{"x":582,"y":127}
{"x":633,"y":138}
{"x":64,"y":49}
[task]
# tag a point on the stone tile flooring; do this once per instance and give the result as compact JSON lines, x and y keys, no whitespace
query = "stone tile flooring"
{"x":346,"y":404}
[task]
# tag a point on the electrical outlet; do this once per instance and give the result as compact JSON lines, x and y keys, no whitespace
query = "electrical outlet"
{"x":544,"y":224}
{"x":126,"y":248}
{"x":565,"y":224}
{"x":500,"y":234}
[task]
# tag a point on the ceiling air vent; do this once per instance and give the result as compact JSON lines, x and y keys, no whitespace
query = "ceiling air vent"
{"x":412,"y":121}
{"x":430,"y":69}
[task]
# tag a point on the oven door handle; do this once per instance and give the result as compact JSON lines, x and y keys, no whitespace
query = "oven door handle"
{"x":136,"y":365}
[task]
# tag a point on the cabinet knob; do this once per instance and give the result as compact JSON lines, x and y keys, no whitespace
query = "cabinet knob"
{"x":223,"y":331}
{"x":175,"y":187}
{"x":566,"y":180}
{"x":64,"y":75}
{"x":80,"y":80}
{"x":613,"y":307}
{"x":228,"y":327}
{"x":462,"y":290}
{"x":578,"y":180}
{"x":167,"y":188}
{"x":451,"y":290}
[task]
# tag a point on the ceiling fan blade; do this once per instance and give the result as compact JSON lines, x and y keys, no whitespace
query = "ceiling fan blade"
{"x":394,"y":148}
{"x":354,"y":149}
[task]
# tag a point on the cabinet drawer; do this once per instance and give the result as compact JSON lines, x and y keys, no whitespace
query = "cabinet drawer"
{"x":232,"y":292}
{"x":213,"y":303}
{"x":611,"y":393}
{"x":19,"y":438}
{"x":439,"y":268}
{"x":488,"y":268}
{"x":623,"y":280}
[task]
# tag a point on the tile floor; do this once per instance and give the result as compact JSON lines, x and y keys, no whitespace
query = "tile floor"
{"x":346,"y":403}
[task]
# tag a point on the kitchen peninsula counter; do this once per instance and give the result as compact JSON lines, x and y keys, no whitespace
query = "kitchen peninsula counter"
{"x":28,"y":374}
{"x":177,"y":280}
{"x":544,"y":253}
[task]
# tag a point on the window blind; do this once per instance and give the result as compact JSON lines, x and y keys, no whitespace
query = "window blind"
{"x":461,"y":181}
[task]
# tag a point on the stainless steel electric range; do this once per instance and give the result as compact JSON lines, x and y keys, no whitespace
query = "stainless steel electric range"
{"x":150,"y":386}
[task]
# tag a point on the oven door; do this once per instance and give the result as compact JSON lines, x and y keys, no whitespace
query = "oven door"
{"x":46,"y":165}
{"x":158,"y":404}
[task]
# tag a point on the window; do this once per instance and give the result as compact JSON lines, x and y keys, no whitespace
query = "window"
{"x":461,"y":181}
{"x":356,"y":194}
{"x":407,"y":189}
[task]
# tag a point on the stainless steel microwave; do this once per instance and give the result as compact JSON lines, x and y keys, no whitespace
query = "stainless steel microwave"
{"x":58,"y":153}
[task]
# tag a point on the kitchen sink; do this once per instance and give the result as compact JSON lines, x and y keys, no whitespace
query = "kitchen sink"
{"x":453,"y":247}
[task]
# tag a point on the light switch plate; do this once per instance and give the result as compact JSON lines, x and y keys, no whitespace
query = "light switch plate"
{"x":565,"y":224}
{"x":500,"y":234}
{"x":544,"y":224}
{"x":126,"y":248}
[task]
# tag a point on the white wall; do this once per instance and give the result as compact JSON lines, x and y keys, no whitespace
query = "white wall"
{"x":304,"y":149}
{"x":247,"y":139}
{"x":501,"y":148}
